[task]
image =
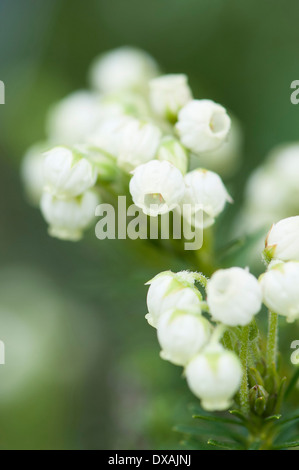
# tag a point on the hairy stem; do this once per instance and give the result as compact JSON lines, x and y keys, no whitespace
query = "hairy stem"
{"x":271,"y":356}
{"x":244,"y":389}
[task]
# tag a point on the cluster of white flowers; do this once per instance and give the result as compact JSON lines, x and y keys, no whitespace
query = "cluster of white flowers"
{"x":281,"y":280}
{"x":138,"y":122}
{"x":233,"y":298}
{"x":275,"y":184}
{"x":175,"y":309}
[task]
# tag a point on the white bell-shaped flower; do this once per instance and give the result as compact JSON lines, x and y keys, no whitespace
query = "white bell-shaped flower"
{"x":205,"y":192}
{"x":168,"y":94}
{"x":170,"y":290}
{"x":68,"y":218}
{"x":107,"y":134}
{"x":138,"y":143}
{"x":283,"y":240}
{"x":214,"y":376}
{"x":280,"y":289}
{"x":67,"y":173}
{"x":203,"y":125}
{"x":32,"y":172}
{"x":182,"y":334}
{"x":157,"y":187}
{"x":123,"y":68}
{"x":234,"y":296}
{"x":72,"y":119}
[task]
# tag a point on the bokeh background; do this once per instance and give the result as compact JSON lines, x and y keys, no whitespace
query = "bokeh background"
{"x":82,"y":367}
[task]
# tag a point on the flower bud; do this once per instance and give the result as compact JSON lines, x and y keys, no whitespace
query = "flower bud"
{"x":32,"y":172}
{"x":283,"y":240}
{"x":103,"y":163}
{"x":121,"y":69}
{"x":67,"y":173}
{"x":234,"y":296}
{"x":171,"y":290}
{"x":138,"y":144}
{"x":280,"y":289}
{"x":202,"y":125}
{"x":206,"y":191}
{"x":214,"y":376}
{"x":168,"y":94}
{"x":68,"y":218}
{"x":74,"y":118}
{"x":172,"y":151}
{"x":157,"y":187}
{"x":182,"y":334}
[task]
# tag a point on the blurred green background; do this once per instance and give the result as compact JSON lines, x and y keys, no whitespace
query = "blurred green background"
{"x":82,"y":367}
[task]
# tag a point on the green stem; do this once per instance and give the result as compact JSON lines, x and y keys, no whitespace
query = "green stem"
{"x":244,"y":389}
{"x":272,"y":340}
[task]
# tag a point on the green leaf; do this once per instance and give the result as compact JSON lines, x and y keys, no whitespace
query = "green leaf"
{"x":292,"y":383}
{"x":224,"y":445}
{"x":217,"y":419}
{"x":286,"y":445}
{"x":273,"y":418}
{"x":289,"y":419}
{"x":238,"y":414}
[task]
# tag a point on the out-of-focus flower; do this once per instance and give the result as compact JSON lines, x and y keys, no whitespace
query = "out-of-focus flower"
{"x":107,"y":134}
{"x":157,"y":187}
{"x":168,"y":94}
{"x":280,"y":289}
{"x":182,"y":335}
{"x":138,"y":143}
{"x":171,"y":290}
{"x":214,"y":376}
{"x":203,"y":125}
{"x":205,"y":192}
{"x":123,"y":68}
{"x":104,"y":164}
{"x":67,"y":173}
{"x":173,"y":152}
{"x":32,"y":172}
{"x":234,"y":296}
{"x":71,"y":120}
{"x":226,"y":159}
{"x":283,"y":240}
{"x":68,"y":218}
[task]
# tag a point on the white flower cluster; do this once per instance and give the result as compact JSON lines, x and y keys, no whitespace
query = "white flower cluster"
{"x":275,"y":184}
{"x":281,"y":280}
{"x":175,"y":308}
{"x":135,"y":121}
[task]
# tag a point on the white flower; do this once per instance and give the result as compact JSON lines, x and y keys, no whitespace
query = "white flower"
{"x":182,"y":334}
{"x":107,"y":134}
{"x":32,"y":172}
{"x":67,"y":173}
{"x":123,"y":68}
{"x":168,"y":94}
{"x":203,"y":125}
{"x":157,"y":187}
{"x":171,"y":290}
{"x":68,"y":218}
{"x":205,"y":190}
{"x":283,"y":240}
{"x":280,"y":289}
{"x":74,"y":118}
{"x":234,"y":296}
{"x":138,"y":143}
{"x":214,"y":376}
{"x":174,"y":152}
